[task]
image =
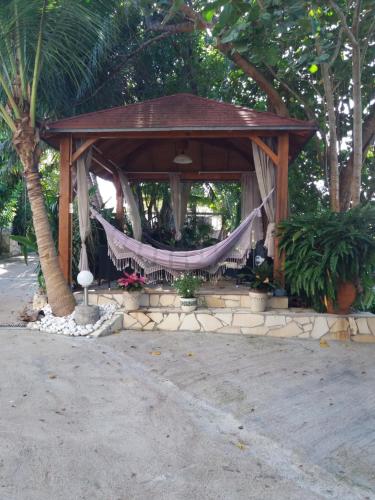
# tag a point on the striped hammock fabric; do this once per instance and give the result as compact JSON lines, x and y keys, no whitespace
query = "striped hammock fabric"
{"x":155,"y":263}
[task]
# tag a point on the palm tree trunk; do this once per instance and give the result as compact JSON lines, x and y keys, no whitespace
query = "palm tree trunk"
{"x":60,"y":297}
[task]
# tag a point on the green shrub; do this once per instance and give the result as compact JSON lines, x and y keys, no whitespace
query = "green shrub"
{"x":323,"y":250}
{"x":186,"y":285}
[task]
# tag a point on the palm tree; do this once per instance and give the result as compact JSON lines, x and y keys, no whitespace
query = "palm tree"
{"x":47,"y":47}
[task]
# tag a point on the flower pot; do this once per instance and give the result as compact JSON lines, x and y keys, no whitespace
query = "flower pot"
{"x":346,"y":295}
{"x":188,"y":305}
{"x":131,"y":300}
{"x":258,"y":300}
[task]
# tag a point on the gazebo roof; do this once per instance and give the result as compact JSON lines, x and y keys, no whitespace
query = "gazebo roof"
{"x":143,"y":138}
{"x":178,"y":112}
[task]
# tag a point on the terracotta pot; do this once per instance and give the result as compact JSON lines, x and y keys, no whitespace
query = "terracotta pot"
{"x":258,"y":300}
{"x":131,"y":300}
{"x":346,"y":295}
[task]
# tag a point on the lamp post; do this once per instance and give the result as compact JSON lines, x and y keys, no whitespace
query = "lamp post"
{"x":85,"y":278}
{"x":85,"y":314}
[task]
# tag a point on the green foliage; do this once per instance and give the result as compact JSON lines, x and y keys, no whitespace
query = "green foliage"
{"x":263,"y":277}
{"x":323,"y":250}
{"x":187,"y":285}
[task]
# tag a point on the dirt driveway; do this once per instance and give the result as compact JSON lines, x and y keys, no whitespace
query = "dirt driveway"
{"x":185,"y":416}
{"x":18,"y":283}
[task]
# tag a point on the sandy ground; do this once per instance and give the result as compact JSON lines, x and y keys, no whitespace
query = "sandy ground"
{"x":185,"y":416}
{"x":18,"y":283}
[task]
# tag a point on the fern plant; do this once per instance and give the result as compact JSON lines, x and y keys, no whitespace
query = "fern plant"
{"x":326,"y":249}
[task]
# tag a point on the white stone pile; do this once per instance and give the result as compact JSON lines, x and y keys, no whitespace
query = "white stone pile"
{"x":67,"y":326}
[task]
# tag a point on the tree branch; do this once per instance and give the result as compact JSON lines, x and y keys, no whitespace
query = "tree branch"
{"x":250,"y":70}
{"x":342,"y":18}
{"x":124,"y":59}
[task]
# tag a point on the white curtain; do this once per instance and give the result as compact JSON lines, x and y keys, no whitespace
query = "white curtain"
{"x":83,"y":166}
{"x":250,"y":199}
{"x":180,"y":192}
{"x":265,"y":172}
{"x":131,"y":206}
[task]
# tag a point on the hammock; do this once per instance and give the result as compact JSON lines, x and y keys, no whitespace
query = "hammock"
{"x":232,"y":252}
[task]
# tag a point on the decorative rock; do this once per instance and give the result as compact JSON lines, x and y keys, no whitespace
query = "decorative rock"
{"x":214,"y":301}
{"x":229,"y":330}
{"x":167,"y":300}
{"x":232,"y":303}
{"x":371,"y":324}
{"x":171,"y":322}
{"x":256,"y":330}
{"x":86,"y":315}
{"x":209,"y":323}
{"x":275,"y":320}
{"x":142,"y":318}
{"x":364,"y":338}
{"x":150,"y":326}
{"x":156,"y":316}
{"x":39,"y":301}
{"x":340,"y":325}
{"x":225,"y":318}
{"x":320,"y":327}
{"x":353,"y":326}
{"x":154,"y":300}
{"x":308,"y":327}
{"x":190,"y":323}
{"x":302,"y":321}
{"x":129,"y":321}
{"x":363,"y":326}
{"x":290,"y":330}
{"x":247,"y":319}
{"x":66,"y":325}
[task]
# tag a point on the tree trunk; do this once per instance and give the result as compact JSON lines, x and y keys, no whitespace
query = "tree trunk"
{"x":60,"y":297}
{"x":332,"y":147}
{"x":368,"y":136}
{"x":357,"y":126}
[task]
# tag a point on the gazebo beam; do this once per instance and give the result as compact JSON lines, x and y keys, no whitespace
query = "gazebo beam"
{"x":264,"y":147}
{"x":82,"y":149}
{"x":65,"y":208}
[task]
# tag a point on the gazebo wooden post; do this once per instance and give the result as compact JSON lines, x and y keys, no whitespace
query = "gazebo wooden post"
{"x":65,"y":209}
{"x":281,"y":212}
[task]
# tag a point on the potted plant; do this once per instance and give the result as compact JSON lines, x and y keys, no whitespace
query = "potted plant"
{"x":186,"y":286}
{"x":330,"y":257}
{"x":260,"y":287}
{"x":132,"y":284}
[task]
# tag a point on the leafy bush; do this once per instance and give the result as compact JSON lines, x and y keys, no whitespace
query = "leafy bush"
{"x":326,"y":249}
{"x":186,"y":285}
{"x":263,"y":278}
{"x":132,"y":282}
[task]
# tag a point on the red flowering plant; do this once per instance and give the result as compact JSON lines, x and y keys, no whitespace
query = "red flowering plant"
{"x":132,"y":282}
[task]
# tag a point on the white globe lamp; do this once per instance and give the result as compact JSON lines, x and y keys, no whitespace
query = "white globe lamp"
{"x":85,"y":278}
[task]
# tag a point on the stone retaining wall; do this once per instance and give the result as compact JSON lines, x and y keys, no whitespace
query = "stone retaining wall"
{"x":305,"y":325}
{"x":168,"y":298}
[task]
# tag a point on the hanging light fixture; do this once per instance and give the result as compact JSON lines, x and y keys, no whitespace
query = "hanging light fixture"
{"x":181,"y":158}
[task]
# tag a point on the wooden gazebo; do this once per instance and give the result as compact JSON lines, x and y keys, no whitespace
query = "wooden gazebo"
{"x":143,"y":138}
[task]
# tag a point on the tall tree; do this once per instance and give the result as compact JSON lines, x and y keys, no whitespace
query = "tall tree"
{"x":315,"y":54}
{"x":44,"y":43}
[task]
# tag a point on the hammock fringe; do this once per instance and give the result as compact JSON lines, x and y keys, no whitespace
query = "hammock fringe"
{"x":156,"y":265}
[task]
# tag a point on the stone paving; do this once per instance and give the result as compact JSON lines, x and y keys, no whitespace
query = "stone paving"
{"x":185,"y":417}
